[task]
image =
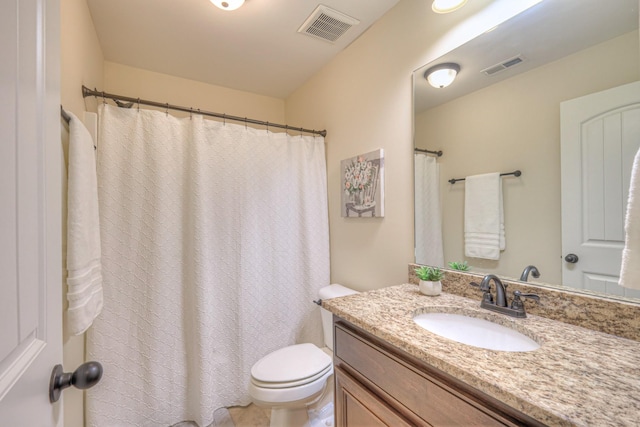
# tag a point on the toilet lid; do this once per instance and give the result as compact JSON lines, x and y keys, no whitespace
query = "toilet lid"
{"x":291,"y":363}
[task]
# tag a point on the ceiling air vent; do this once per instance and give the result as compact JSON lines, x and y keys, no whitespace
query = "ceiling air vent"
{"x":327,"y":24}
{"x":489,"y":71}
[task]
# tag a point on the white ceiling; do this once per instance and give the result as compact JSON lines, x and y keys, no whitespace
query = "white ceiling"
{"x":255,"y":48}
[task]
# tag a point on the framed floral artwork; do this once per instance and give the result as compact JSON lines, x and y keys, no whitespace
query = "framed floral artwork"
{"x":363,"y":185}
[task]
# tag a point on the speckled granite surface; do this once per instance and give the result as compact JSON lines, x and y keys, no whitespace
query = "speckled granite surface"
{"x":578,"y":377}
{"x":580,"y":309}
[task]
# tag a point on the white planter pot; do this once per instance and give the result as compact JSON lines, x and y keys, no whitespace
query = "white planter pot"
{"x":430,"y":288}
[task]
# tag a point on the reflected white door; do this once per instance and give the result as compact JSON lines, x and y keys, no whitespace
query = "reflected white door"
{"x":30,"y":213}
{"x":600,"y":136}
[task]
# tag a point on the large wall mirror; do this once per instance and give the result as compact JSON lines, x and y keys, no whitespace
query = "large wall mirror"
{"x":503,"y":113}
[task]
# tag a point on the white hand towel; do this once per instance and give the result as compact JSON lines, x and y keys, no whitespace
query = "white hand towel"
{"x":630,"y":269}
{"x":483,"y":216}
{"x":84,"y":278}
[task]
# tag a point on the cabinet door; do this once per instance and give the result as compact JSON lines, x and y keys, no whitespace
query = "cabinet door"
{"x":358,"y":407}
{"x":414,"y":392}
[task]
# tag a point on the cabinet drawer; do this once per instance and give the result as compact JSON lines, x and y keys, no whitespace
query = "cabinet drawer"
{"x":404,"y":386}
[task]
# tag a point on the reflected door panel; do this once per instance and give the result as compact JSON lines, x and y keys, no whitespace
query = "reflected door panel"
{"x":600,"y":136}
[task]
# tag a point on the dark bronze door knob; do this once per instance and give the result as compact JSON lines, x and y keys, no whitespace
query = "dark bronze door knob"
{"x":572,"y":258}
{"x":86,"y":376}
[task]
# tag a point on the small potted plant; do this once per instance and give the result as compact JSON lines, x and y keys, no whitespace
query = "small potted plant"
{"x":430,"y":278}
{"x":460,"y":266}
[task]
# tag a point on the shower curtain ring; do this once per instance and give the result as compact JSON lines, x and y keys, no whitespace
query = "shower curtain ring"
{"x":103,"y":100}
{"x":191,"y":113}
{"x":224,"y":119}
{"x":138,"y":105}
{"x":267,"y":127}
{"x":245,"y":123}
{"x":167,"y":110}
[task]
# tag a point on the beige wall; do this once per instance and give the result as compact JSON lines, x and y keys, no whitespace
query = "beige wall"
{"x":81,"y":64}
{"x":364,"y":100}
{"x":134,"y":82}
{"x":81,"y":55}
{"x":515,"y":124}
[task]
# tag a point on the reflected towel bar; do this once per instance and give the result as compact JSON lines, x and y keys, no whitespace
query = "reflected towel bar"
{"x":515,"y":173}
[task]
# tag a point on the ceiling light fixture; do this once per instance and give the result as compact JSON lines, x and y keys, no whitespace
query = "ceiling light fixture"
{"x":446,"y":6}
{"x":228,"y":4}
{"x":442,"y":75}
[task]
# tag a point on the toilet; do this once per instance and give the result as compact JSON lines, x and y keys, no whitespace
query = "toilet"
{"x":291,"y":379}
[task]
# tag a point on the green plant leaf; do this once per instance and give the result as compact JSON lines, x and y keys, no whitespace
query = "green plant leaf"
{"x":430,"y":274}
{"x":460,"y":266}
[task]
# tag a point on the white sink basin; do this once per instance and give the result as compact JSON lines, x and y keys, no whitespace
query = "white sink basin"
{"x":476,"y":332}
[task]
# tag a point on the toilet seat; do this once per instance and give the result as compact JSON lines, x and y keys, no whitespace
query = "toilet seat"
{"x":289,"y":384}
{"x":289,"y":396}
{"x":290,"y":366}
{"x":290,"y":374}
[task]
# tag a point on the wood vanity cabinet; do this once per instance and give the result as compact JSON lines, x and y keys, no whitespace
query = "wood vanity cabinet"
{"x":377,"y":384}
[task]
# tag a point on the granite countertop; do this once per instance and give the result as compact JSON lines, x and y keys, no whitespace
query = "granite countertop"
{"x":578,"y":377}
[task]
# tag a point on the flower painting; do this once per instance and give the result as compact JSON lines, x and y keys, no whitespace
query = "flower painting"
{"x":363,"y":185}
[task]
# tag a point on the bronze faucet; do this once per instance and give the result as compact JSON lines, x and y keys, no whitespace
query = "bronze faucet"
{"x":529,"y":269}
{"x":500,"y":303}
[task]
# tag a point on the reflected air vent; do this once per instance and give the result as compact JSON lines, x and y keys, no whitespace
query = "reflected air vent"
{"x":503,"y":65}
{"x":327,"y":24}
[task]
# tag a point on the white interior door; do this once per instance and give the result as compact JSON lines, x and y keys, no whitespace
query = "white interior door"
{"x":600,"y":136}
{"x":30,"y":213}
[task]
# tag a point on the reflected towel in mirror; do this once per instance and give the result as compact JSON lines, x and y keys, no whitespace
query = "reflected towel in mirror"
{"x":630,"y":269}
{"x":484,"y":235}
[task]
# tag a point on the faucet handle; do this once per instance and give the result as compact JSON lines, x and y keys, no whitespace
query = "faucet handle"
{"x":530,"y":296}
{"x":517,"y":303}
{"x":486,"y":288}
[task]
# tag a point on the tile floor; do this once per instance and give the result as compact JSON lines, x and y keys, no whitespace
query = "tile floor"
{"x":320,"y":415}
{"x":236,"y":416}
{"x":250,"y":416}
{"x":255,"y":416}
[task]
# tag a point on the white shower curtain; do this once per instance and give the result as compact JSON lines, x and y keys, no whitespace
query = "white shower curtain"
{"x":428,"y":220}
{"x":214,"y":244}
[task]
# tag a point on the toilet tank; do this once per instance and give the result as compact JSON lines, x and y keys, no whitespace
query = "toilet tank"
{"x":328,"y":292}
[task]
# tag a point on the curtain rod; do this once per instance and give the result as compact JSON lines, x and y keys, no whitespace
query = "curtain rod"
{"x":437,"y":153}
{"x":515,"y":173}
{"x":88,"y":92}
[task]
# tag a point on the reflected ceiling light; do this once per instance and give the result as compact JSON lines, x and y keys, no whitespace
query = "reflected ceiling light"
{"x":228,"y":4}
{"x":446,"y":6}
{"x":442,"y":75}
